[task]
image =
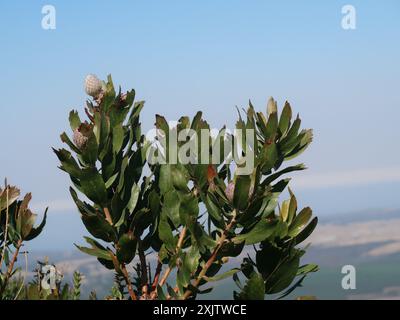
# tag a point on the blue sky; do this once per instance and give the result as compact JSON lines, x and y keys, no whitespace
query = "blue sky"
{"x":182,"y":56}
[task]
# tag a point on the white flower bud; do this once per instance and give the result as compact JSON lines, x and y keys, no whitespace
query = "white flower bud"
{"x":93,"y":85}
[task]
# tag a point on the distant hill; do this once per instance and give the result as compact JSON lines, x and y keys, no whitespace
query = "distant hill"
{"x":369,"y":240}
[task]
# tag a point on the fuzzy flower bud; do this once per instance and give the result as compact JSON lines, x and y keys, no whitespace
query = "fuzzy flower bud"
{"x":230,"y":189}
{"x":93,"y":85}
{"x":79,"y":139}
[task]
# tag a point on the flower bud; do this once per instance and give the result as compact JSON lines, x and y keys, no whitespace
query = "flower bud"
{"x":80,"y":139}
{"x":93,"y":85}
{"x":230,"y":189}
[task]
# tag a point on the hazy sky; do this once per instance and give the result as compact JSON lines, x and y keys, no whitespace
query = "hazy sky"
{"x":183,"y":56}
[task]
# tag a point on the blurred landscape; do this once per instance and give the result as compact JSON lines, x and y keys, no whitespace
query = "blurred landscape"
{"x":368,"y":240}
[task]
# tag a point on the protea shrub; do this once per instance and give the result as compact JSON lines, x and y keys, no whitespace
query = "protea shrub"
{"x":17,"y":226}
{"x":169,"y":229}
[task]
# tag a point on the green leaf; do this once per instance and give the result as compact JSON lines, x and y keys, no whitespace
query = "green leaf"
{"x":292,"y":288}
{"x":283,"y":276}
{"x":36,"y":231}
{"x":307,"y":268}
{"x":189,"y":207}
{"x":126,"y":247}
{"x":99,"y":227}
{"x":118,"y":137}
{"x":165,"y":234}
{"x":110,"y":181}
{"x":64,"y":138}
{"x":303,"y":235}
{"x":241,"y":192}
{"x":89,"y":154}
{"x":268,"y":258}
{"x":191,"y":261}
{"x":272,"y":127}
{"x":171,"y":207}
{"x":165,"y":182}
{"x":292,"y":208}
{"x":74,"y":120}
{"x":284,"y":212}
{"x":269,"y":157}
{"x":305,"y":140}
{"x":222,"y":276}
{"x":68,"y":163}
{"x":300,"y":221}
{"x":213,"y":209}
{"x":254,"y":288}
{"x":96,"y":249}
{"x":286,"y":116}
{"x":261,"y":231}
{"x":8,"y":198}
{"x":180,"y":177}
{"x":289,"y":140}
{"x":133,"y":198}
{"x":271,"y":106}
{"x":277,"y":174}
{"x":93,"y":186}
{"x":189,"y":266}
{"x":160,"y":293}
{"x":230,"y":249}
{"x":281,"y":230}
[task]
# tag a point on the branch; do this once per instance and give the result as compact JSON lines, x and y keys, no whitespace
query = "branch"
{"x":211,"y":260}
{"x":108,"y":216}
{"x":26,"y":272}
{"x":156,"y":275}
{"x":11,"y":266}
{"x":178,"y":246}
{"x":128,"y":282}
{"x":6,"y":229}
{"x":143,"y":264}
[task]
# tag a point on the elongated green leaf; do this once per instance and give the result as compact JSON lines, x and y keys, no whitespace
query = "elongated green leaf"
{"x":118,"y":137}
{"x":74,"y":120}
{"x":284,"y":121}
{"x":284,"y":212}
{"x":269,"y":157}
{"x":277,"y":174}
{"x":222,"y":276}
{"x":307,"y":268}
{"x":300,"y":221}
{"x":303,"y":235}
{"x":165,"y":233}
{"x":261,"y":231}
{"x":272,"y":127}
{"x":271,"y":106}
{"x":160,"y":293}
{"x":133,"y":198}
{"x":165,"y":182}
{"x":93,"y":186}
{"x":254,"y":288}
{"x":171,"y":206}
{"x":96,"y":249}
{"x":241,"y":192}
{"x":126,"y":248}
{"x":292,"y":208}
{"x":36,"y":231}
{"x":110,"y":181}
{"x":283,"y":275}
